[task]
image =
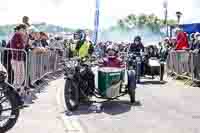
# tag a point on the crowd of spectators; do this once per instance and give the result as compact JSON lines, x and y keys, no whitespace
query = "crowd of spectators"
{"x":24,"y":40}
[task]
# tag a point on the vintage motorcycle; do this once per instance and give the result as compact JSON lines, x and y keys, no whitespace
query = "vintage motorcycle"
{"x":134,"y":63}
{"x":143,"y":65}
{"x":85,"y":80}
{"x":10,"y":104}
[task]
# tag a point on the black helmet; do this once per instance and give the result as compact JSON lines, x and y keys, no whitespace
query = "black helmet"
{"x":137,"y":38}
{"x":79,"y":35}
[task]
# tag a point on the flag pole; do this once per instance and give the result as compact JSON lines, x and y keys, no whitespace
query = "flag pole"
{"x":96,"y":22}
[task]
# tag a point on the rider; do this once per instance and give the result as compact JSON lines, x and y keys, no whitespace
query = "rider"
{"x":84,"y":47}
{"x":113,"y":60}
{"x":137,"y":45}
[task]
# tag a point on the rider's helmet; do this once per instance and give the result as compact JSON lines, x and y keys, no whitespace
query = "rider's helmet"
{"x":137,"y":39}
{"x":112,"y":50}
{"x":151,"y":50}
{"x":80,"y":35}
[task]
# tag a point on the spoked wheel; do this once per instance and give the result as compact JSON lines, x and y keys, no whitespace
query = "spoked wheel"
{"x":9,"y":111}
{"x":71,"y":95}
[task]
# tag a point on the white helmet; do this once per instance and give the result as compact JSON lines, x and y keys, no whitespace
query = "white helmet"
{"x":112,"y":47}
{"x":196,"y":35}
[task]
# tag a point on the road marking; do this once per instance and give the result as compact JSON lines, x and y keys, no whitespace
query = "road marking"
{"x":71,"y":123}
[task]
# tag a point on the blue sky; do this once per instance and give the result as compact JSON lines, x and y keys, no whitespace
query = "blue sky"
{"x":80,"y":13}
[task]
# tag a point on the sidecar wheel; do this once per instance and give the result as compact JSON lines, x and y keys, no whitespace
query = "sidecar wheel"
{"x":71,"y":93}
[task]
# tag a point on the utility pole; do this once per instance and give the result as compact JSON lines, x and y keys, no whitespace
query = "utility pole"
{"x":96,"y":22}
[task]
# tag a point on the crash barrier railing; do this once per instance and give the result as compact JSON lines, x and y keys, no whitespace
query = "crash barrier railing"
{"x":15,"y":63}
{"x":184,"y":64}
{"x":25,"y":67}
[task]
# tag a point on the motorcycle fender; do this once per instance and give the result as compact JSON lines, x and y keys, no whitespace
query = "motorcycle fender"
{"x":10,"y":89}
{"x":132,"y":79}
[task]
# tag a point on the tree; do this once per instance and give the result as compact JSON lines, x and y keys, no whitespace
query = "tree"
{"x":132,"y":20}
{"x":151,"y":22}
{"x":122,"y":24}
{"x":142,"y":20}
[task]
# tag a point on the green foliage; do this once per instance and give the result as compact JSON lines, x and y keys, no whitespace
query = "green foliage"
{"x":151,"y":22}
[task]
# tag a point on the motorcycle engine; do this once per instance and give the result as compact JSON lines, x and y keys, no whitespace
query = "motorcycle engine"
{"x":3,"y":76}
{"x":88,"y":81}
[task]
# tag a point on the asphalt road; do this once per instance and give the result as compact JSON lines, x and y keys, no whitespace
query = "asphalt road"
{"x":171,"y":107}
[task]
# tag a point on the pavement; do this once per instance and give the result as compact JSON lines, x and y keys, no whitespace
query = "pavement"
{"x":171,"y":107}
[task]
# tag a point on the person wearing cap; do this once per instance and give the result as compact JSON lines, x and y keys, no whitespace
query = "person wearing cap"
{"x":182,"y":40}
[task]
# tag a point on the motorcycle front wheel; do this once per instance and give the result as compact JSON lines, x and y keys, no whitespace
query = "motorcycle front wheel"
{"x":162,"y":71}
{"x":71,"y":93}
{"x":9,"y":110}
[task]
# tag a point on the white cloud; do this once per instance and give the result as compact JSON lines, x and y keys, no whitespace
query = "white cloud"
{"x":80,"y":13}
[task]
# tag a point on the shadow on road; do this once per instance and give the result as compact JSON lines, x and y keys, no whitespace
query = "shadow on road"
{"x":153,"y":82}
{"x":40,"y":86}
{"x":111,"y":108}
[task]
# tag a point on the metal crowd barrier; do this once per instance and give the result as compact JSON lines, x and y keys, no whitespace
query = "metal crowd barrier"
{"x":29,"y":66}
{"x":15,"y":63}
{"x":184,"y":64}
{"x":43,"y":64}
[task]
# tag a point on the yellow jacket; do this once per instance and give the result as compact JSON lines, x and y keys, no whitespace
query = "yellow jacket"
{"x":83,"y":51}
